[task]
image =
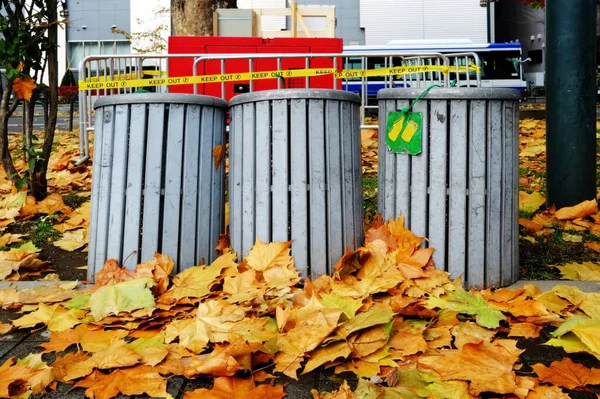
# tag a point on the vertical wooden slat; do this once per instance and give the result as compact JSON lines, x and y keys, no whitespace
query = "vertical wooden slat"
{"x":263,"y":171}
{"x":96,"y":255}
{"x":334,"y":181}
{"x":358,"y":210}
{"x":235,"y":179}
{"x":135,"y":171}
{"x":508,"y":214}
{"x":515,"y":193}
{"x":152,"y":180}
{"x":280,"y":171}
{"x":476,"y":208}
{"x":118,"y":182}
{"x":402,"y":180}
{"x":172,"y":202}
{"x":494,"y":190}
{"x":349,"y":173}
{"x":217,"y":207}
{"x":318,"y":187}
{"x":204,"y":245}
{"x":299,"y":185}
{"x":248,"y":156}
{"x":458,"y":188}
{"x":189,"y":201}
{"x":418,"y":181}
{"x":387,"y":163}
{"x":438,"y":155}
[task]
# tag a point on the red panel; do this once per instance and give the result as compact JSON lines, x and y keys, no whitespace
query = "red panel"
{"x":249,"y":45}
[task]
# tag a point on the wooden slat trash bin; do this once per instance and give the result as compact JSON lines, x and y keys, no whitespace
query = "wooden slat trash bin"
{"x":295,"y":174}
{"x":155,"y":186}
{"x":461,"y":192}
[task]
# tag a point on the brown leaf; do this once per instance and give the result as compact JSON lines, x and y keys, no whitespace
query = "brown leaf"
{"x":236,"y":388}
{"x":568,"y":374}
{"x":527,"y":330}
{"x":218,"y":155}
{"x":72,"y":366}
{"x":24,"y":87}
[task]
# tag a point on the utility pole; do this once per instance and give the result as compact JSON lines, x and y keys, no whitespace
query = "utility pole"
{"x":571,"y":101}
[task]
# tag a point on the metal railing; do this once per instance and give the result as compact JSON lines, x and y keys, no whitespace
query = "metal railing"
{"x":138,"y":66}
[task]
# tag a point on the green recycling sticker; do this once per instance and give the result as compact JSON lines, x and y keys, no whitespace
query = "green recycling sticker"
{"x":404,"y":132}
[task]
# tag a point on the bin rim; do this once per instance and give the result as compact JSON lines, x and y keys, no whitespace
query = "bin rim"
{"x":294,"y":94}
{"x":452,"y":93}
{"x":160,"y":98}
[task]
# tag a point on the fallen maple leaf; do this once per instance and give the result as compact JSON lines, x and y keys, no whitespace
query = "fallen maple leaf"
{"x":530,"y":202}
{"x":488,"y":367}
{"x":264,"y":256}
{"x":13,"y":379}
{"x":72,"y":366}
{"x":236,"y":388}
{"x":586,"y":208}
{"x":345,"y":392}
{"x":566,"y":373}
{"x":131,"y":381}
{"x":24,"y":87}
{"x":56,"y":317}
{"x":195,"y":282}
{"x":585,"y":271}
{"x":121,"y":297}
{"x":471,"y":304}
{"x":44,"y":376}
{"x":218,"y":155}
{"x":72,"y":240}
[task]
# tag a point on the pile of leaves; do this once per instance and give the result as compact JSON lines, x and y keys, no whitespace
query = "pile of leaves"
{"x":386,"y":315}
{"x":369,"y":145}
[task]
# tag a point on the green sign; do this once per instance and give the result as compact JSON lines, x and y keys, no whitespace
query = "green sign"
{"x":404,"y":132}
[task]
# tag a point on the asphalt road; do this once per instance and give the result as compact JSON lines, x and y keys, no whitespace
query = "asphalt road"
{"x":15,"y":123}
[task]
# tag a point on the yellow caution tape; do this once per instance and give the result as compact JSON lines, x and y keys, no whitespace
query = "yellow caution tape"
{"x":184,"y":80}
{"x":126,"y":80}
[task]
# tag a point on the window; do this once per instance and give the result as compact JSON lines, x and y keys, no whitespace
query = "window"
{"x":537,"y":56}
{"x":78,"y":50}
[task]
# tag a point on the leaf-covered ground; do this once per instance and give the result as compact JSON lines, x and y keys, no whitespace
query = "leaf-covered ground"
{"x":550,"y":237}
{"x":386,"y":320}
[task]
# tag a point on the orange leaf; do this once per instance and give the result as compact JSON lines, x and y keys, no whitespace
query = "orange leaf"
{"x":568,"y":374}
{"x":530,"y":226}
{"x":218,"y":155}
{"x":130,"y":381}
{"x":13,"y":379}
{"x":527,"y":330}
{"x":586,"y":208}
{"x":72,"y":366}
{"x":24,"y":87}
{"x":236,"y":388}
{"x":593,"y":245}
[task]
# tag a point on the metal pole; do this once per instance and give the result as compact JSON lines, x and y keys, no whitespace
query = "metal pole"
{"x":571,"y":101}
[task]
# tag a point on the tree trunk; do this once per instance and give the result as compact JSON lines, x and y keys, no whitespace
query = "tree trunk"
{"x":195,"y":17}
{"x":6,"y":158}
{"x":39,"y":186}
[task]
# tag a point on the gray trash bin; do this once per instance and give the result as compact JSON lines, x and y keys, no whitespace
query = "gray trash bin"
{"x":295,"y":174}
{"x":461,"y":192}
{"x":154,"y":185}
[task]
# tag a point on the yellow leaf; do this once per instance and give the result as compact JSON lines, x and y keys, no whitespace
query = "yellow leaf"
{"x":329,"y":353}
{"x":572,"y":237}
{"x":119,"y":354}
{"x":585,"y":329}
{"x":44,"y":376}
{"x":121,"y":297}
{"x":588,"y":302}
{"x":24,"y":87}
{"x":264,"y":256}
{"x":530,"y":202}
{"x":586,"y":271}
{"x":196,"y":281}
{"x":56,"y":317}
{"x":586,"y":208}
{"x":72,"y":240}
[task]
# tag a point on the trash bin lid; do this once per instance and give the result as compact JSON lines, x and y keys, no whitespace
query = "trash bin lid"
{"x":451,"y":93}
{"x":294,"y":94}
{"x":160,"y":98}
